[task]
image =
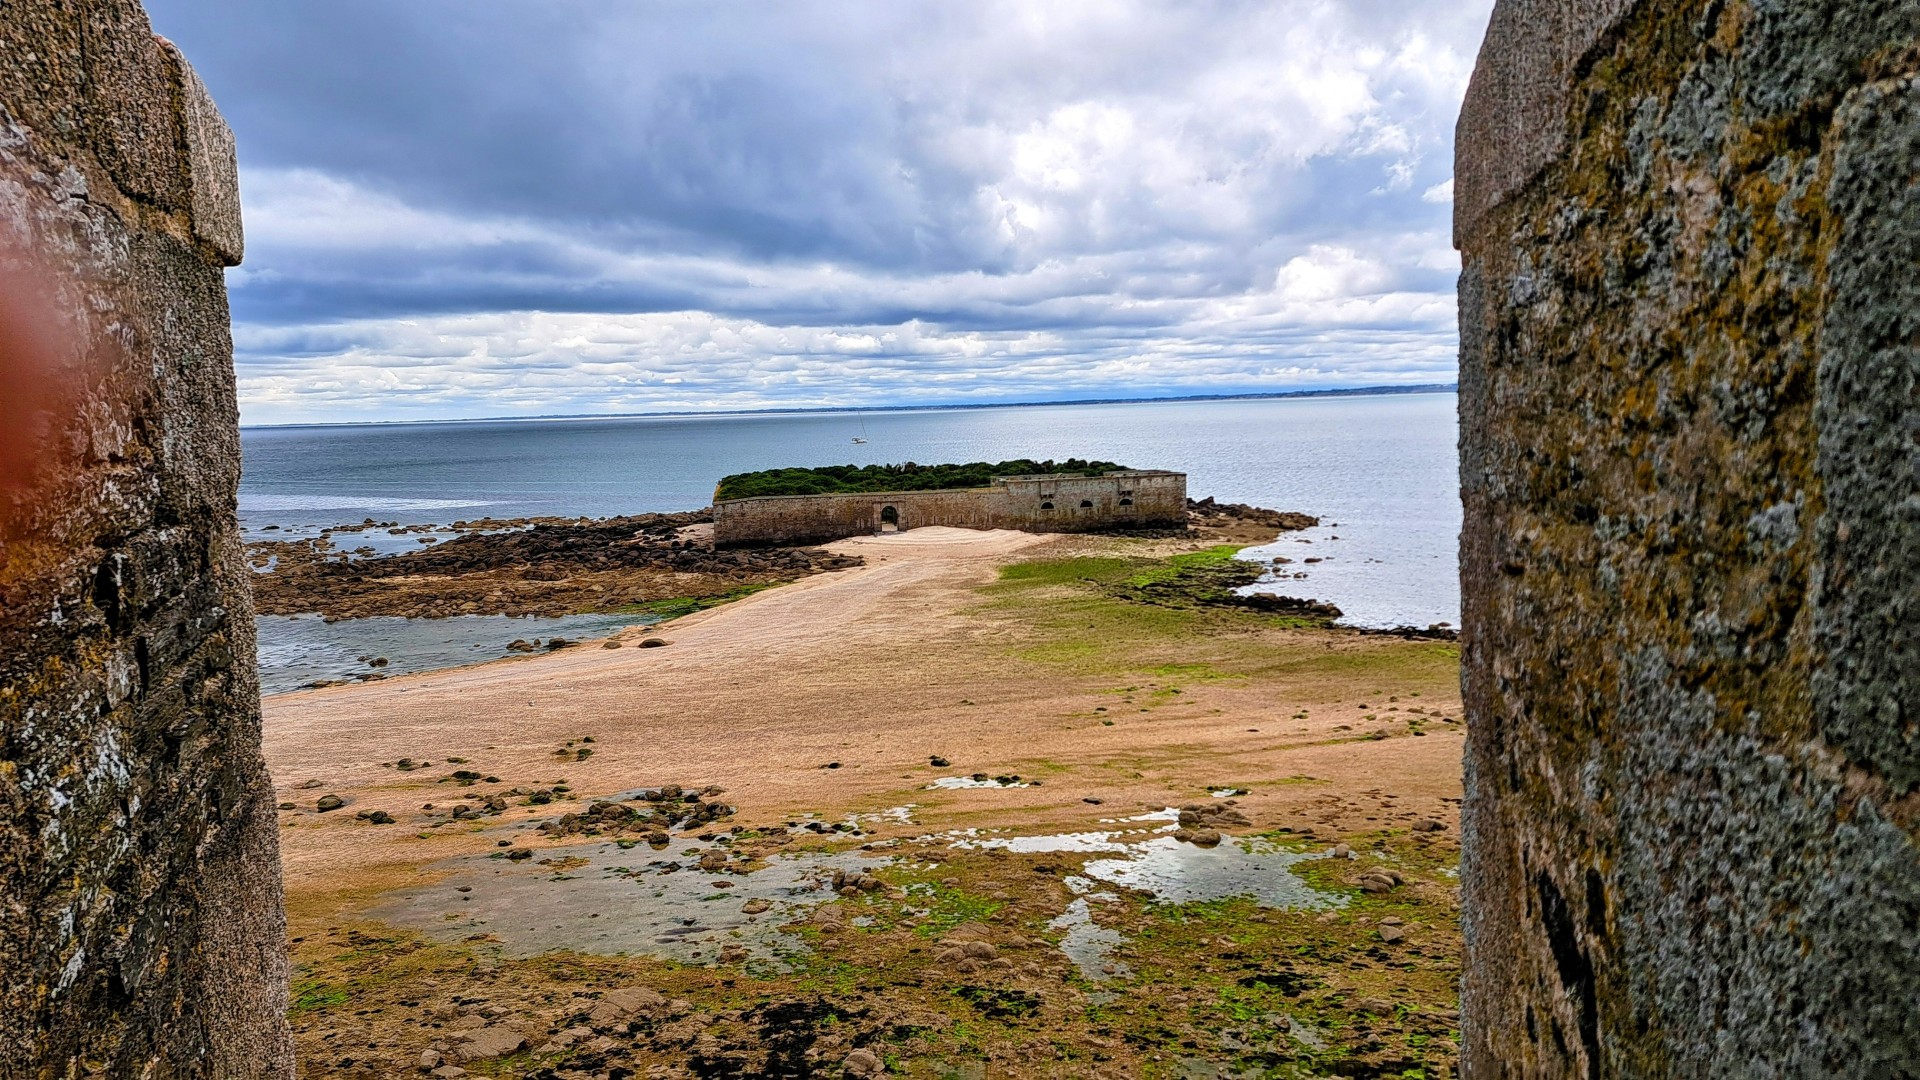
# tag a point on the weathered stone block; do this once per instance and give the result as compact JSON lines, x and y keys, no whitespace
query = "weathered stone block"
{"x":1690,"y":462}
{"x":141,"y":923}
{"x":1513,"y":121}
{"x":213,"y":167}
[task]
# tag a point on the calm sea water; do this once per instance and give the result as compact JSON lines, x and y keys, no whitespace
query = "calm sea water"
{"x":1378,"y":470}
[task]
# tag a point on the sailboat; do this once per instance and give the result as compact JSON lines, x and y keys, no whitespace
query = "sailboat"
{"x":861,"y":439}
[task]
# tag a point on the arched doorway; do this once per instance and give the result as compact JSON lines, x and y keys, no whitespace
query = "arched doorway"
{"x":889,"y":519}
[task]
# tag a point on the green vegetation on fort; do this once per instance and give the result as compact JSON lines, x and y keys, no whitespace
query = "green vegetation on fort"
{"x":854,"y":479}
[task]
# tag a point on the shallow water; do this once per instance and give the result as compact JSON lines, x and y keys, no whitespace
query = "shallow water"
{"x":1146,"y":859}
{"x":951,"y":783}
{"x":299,"y":649}
{"x":618,"y":903}
{"x":1085,"y":942}
{"x":1181,"y":873}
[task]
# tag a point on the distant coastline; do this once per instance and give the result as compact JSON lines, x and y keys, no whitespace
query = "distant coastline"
{"x":1356,"y":391}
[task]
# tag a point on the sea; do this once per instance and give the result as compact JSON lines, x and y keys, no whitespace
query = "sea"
{"x":1377,"y":469}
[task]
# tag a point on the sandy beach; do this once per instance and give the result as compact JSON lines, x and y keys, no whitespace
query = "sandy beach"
{"x":841,"y":698}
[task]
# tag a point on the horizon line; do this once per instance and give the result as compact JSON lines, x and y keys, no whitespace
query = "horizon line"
{"x":1352,"y":391}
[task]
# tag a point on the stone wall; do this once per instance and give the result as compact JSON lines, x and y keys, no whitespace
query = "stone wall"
{"x":1690,"y":461}
{"x":1119,"y":500}
{"x":141,"y":925}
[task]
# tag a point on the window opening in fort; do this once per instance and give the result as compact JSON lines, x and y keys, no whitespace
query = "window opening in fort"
{"x":1046,"y":506}
{"x":1086,"y":504}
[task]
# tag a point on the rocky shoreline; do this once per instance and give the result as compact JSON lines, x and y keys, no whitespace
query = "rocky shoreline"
{"x":647,"y":563}
{"x":526,"y":567}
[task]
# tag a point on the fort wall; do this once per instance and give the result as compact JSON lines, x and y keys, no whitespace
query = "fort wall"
{"x":1689,"y":395}
{"x":141,"y":924}
{"x":1117,"y":500}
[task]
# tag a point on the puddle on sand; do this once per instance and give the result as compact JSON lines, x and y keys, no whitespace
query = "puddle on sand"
{"x":616,"y":903}
{"x":1119,"y":840}
{"x":1088,"y":944}
{"x":979,"y":780}
{"x":1170,"y":871}
{"x":1177,"y":873}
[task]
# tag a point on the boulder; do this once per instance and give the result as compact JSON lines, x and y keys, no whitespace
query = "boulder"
{"x":480,"y":1044}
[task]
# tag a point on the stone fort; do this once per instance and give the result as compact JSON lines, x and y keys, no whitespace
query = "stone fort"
{"x":1133,"y":499}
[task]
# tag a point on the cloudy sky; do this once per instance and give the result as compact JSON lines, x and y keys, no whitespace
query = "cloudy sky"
{"x":463,"y":208}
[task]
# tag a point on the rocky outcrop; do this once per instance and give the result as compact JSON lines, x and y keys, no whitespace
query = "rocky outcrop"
{"x":1689,"y":398}
{"x":141,"y":926}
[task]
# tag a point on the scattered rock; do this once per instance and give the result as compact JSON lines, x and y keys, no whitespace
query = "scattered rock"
{"x":611,"y":644}
{"x":755,"y":906}
{"x":863,"y":1063}
{"x":634,"y":999}
{"x":938,"y":762}
{"x":430,"y":1059}
{"x":617,"y":1005}
{"x":329,"y":802}
{"x":496,"y":1040}
{"x":1392,"y":935}
{"x":733,"y":954}
{"x":1428,"y":825}
{"x":1378,"y":881}
{"x":654,"y":643}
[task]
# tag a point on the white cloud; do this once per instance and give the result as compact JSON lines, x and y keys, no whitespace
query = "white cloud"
{"x":705,"y":206}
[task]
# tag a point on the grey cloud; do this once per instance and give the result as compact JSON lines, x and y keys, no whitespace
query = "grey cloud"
{"x":1195,"y":189}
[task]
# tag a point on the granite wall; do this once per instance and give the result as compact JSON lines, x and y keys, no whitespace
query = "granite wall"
{"x":1135,"y":499}
{"x":1690,"y":461}
{"x":141,"y":925}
